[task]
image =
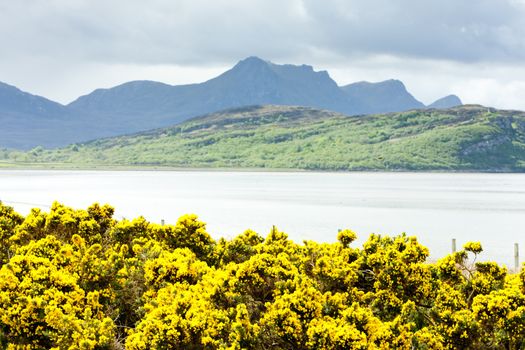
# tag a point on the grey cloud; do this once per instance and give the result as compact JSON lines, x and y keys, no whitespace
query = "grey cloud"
{"x":457,"y":30}
{"x":193,"y":31}
{"x":152,"y":32}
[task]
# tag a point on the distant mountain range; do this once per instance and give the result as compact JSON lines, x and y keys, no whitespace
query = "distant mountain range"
{"x":29,"y":120}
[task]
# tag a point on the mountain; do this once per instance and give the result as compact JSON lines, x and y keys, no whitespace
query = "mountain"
{"x":22,"y":113}
{"x":136,"y":106}
{"x":13,"y":101}
{"x":252,"y":81}
{"x":28,"y":121}
{"x":466,"y":138}
{"x":446,"y":102}
{"x":255,"y":81}
{"x":386,"y":96}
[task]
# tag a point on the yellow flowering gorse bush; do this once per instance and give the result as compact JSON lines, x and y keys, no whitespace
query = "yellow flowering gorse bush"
{"x":79,"y":279}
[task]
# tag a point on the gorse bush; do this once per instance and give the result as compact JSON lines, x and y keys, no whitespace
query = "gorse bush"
{"x":79,"y":279}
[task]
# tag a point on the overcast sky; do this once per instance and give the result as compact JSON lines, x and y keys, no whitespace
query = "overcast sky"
{"x":61,"y":49}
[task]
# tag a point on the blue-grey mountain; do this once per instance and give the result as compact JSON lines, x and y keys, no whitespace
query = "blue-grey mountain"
{"x":28,"y":119}
{"x":446,"y":102}
{"x":386,"y":96}
{"x":136,"y":106}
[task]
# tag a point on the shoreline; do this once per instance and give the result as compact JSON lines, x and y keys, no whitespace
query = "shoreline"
{"x":65,"y":167}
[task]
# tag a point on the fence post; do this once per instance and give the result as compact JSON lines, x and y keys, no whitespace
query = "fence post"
{"x":453,"y":245}
{"x":516,"y":257}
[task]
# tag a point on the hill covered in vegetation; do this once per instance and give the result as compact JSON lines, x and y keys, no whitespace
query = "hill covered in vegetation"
{"x":80,"y":279}
{"x":467,"y":138}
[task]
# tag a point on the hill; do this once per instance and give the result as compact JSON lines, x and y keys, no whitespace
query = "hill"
{"x":382,"y":97}
{"x":446,"y":102}
{"x":467,"y":138}
{"x":21,"y":113}
{"x":29,"y":121}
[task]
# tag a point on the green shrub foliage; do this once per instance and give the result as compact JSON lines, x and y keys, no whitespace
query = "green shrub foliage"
{"x":80,"y":279}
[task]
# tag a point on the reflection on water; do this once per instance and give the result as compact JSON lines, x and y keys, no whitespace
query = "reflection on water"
{"x":436,"y":207}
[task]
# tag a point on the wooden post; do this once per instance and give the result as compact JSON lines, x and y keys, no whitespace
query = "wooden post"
{"x":453,"y":245}
{"x":162,"y":222}
{"x":516,"y":257}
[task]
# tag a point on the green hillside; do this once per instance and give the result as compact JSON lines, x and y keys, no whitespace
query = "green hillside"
{"x":467,"y":138}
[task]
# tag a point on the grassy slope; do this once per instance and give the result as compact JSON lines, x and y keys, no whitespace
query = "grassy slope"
{"x":463,"y":138}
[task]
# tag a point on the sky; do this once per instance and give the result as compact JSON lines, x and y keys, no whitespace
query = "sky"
{"x":62,"y":49}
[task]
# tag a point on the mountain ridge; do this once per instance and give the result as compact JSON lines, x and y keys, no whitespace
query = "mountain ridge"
{"x":372,"y":95}
{"x":143,"y":104}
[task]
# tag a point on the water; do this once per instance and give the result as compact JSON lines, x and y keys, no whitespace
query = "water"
{"x":434,"y":207}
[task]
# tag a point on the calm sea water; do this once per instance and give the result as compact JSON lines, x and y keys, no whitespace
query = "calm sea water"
{"x":435,"y":207}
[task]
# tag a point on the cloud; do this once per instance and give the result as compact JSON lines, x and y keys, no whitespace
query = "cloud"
{"x":192,"y":31}
{"x":73,"y":45}
{"x":153,"y":32}
{"x":456,"y":30}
